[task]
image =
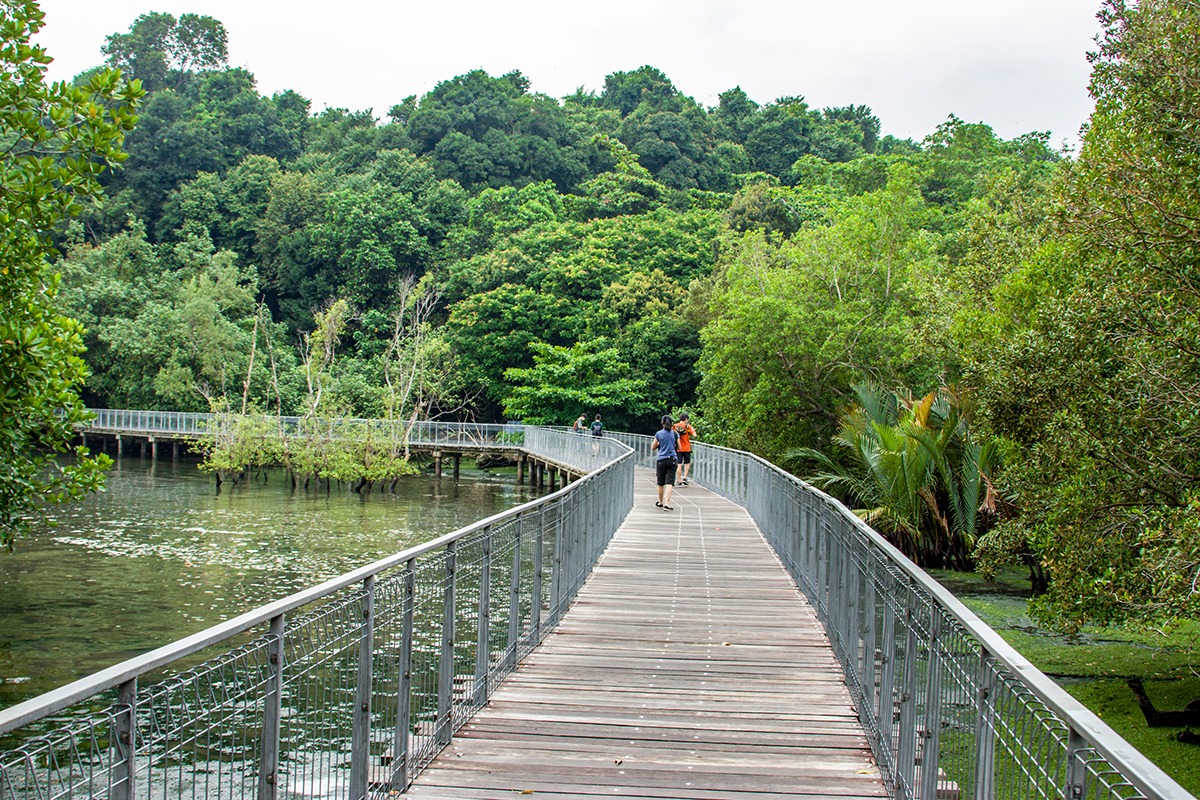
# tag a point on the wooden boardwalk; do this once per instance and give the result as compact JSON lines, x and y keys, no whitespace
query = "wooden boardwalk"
{"x":688,"y":667}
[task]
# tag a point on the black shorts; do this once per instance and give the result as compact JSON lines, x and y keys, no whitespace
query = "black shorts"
{"x":664,"y":470}
{"x":685,"y":456}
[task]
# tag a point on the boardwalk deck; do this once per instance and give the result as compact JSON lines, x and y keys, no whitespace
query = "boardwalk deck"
{"x":689,"y":667}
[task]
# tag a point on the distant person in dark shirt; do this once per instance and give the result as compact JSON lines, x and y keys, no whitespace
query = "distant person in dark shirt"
{"x":597,"y":430}
{"x":664,"y":463}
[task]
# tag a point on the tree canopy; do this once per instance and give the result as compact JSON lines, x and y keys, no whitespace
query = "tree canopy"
{"x":485,"y":251}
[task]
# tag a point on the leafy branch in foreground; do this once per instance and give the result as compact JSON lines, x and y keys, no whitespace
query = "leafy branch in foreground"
{"x":55,"y":141}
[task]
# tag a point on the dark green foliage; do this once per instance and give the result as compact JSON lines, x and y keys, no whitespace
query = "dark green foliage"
{"x":484,"y":131}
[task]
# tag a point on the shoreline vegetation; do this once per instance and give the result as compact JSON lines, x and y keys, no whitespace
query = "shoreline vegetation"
{"x":359,"y":453}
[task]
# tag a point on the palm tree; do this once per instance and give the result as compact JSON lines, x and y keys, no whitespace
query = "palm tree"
{"x":915,"y":471}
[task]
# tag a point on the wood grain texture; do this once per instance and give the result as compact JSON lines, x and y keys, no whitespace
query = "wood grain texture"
{"x":688,"y":667}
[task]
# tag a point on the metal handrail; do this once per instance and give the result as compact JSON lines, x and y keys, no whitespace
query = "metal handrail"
{"x":402,"y":651}
{"x":949,"y":706}
{"x":950,"y":709}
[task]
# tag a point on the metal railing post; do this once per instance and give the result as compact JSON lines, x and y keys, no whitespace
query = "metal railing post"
{"x":556,"y":577}
{"x":514,"y":600}
{"x":535,"y":610}
{"x":268,"y":768}
{"x":870,"y":615}
{"x":1075,"y":775}
{"x":123,"y":783}
{"x":400,"y":755}
{"x":931,"y":735}
{"x":360,"y":736}
{"x":985,"y":730}
{"x":887,"y":678}
{"x":444,"y":726}
{"x":822,"y":545}
{"x":907,"y":751}
{"x":483,"y":638}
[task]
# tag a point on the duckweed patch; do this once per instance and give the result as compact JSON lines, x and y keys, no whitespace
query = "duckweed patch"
{"x":1094,"y":664}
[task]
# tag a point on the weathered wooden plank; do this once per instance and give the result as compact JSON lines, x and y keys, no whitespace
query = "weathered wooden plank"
{"x":689,"y":667}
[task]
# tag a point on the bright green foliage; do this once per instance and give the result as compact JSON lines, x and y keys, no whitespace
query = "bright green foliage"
{"x":563,"y":381}
{"x":796,"y":323}
{"x":780,"y":134}
{"x":1100,"y":381}
{"x":174,"y":328}
{"x":492,"y":331}
{"x":57,"y":139}
{"x":626,"y":189}
{"x":917,"y":472}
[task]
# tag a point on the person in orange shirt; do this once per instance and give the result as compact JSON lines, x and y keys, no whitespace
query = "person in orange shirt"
{"x":685,"y":431}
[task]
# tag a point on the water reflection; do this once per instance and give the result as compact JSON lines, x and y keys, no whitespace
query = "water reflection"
{"x":162,"y":555}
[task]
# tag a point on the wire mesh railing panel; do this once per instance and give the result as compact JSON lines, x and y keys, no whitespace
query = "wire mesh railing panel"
{"x":198,"y":733}
{"x":74,"y":761}
{"x":345,"y":690}
{"x":952,"y":711}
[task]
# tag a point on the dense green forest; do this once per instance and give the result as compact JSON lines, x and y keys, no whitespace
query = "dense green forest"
{"x":989,"y":347}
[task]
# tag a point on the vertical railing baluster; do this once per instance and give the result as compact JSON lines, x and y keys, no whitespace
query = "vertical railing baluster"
{"x":444,"y":725}
{"x":483,"y":636}
{"x":887,"y":660}
{"x":535,"y":611}
{"x":931,"y":735}
{"x":556,"y":577}
{"x":514,"y":600}
{"x":907,"y":751}
{"x":869,"y":619}
{"x":360,"y":730}
{"x":400,"y":746}
{"x":268,"y":768}
{"x":857,"y":653}
{"x":822,"y":548}
{"x":985,"y":729}
{"x":123,"y":784}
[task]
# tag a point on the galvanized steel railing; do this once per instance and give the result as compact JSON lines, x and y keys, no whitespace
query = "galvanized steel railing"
{"x":199,"y":425}
{"x":953,"y":712}
{"x":345,"y":690}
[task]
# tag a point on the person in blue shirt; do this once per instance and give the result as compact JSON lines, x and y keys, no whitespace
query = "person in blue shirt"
{"x":665,"y":463}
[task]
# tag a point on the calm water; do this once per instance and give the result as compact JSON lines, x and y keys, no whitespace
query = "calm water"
{"x":162,"y":554}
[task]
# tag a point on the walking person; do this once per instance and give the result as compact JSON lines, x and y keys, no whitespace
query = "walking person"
{"x":665,"y":463}
{"x":686,"y":432}
{"x":597,"y":431}
{"x":580,"y":424}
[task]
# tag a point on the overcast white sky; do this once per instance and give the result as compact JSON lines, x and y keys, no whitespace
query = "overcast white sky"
{"x":1017,"y":65}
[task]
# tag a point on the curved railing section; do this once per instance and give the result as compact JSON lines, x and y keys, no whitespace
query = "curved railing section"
{"x":194,"y":425}
{"x":407,"y":648}
{"x":344,"y":690}
{"x":951,"y":709}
